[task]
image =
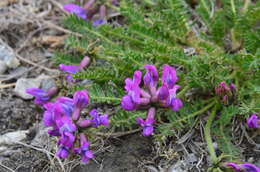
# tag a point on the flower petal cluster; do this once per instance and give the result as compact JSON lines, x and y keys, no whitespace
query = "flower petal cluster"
{"x":247,"y":167}
{"x":41,"y":96}
{"x":63,"y":116}
{"x":89,"y":10}
{"x":151,"y":95}
{"x":253,"y":121}
{"x":225,"y":92}
{"x":73,"y":69}
{"x":76,"y":9}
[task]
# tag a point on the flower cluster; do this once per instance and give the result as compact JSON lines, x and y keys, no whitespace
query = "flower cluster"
{"x":151,"y":96}
{"x":89,"y":10}
{"x":42,"y":96}
{"x":63,"y":116}
{"x":246,"y":167}
{"x":225,"y":92}
{"x":73,"y":69}
{"x":253,"y":121}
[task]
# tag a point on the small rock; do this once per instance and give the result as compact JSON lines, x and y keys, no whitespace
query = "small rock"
{"x":46,"y":82}
{"x":20,"y":71}
{"x":7,"y":55}
{"x":23,"y":84}
{"x":13,"y":137}
{"x":3,"y":67}
{"x":178,"y":167}
{"x":189,"y":51}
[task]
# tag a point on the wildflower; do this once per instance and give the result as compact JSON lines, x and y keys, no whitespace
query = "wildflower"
{"x":102,"y":15}
{"x":163,"y":92}
{"x":64,"y":105}
{"x":247,"y":167}
{"x":148,"y":123}
{"x":66,"y":129}
{"x":76,"y":9}
{"x":253,"y":121}
{"x":84,"y":123}
{"x":133,"y":97}
{"x":169,"y":76}
{"x":41,"y":96}
{"x":151,"y":78}
{"x":83,"y":150}
{"x":115,"y":2}
{"x":233,"y":87}
{"x":172,"y":101}
{"x":98,"y":119}
{"x":80,"y":100}
{"x":73,"y":69}
{"x":63,"y":152}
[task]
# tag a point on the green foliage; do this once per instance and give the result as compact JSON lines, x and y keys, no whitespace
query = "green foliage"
{"x":157,"y":32}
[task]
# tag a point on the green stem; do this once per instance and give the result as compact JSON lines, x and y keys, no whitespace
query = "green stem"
{"x":115,"y":99}
{"x":233,"y":6}
{"x":208,"y":136}
{"x":205,"y":6}
{"x":183,"y":91}
{"x":100,"y":36}
{"x":245,"y":7}
{"x":195,"y":113}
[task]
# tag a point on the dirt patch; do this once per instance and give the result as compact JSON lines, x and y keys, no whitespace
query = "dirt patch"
{"x":124,"y":154}
{"x":16,"y":114}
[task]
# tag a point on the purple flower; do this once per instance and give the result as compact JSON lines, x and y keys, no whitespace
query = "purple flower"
{"x":172,"y":101}
{"x":64,"y":105}
{"x":63,"y":152}
{"x":67,"y":139}
{"x":252,"y":121}
{"x":41,"y":96}
{"x":133,"y":90}
{"x":133,"y":97}
{"x":163,"y":92}
{"x":49,"y":116}
{"x":72,"y":69}
{"x":65,"y":124}
{"x":128,"y":104}
{"x":115,"y":2}
{"x":151,"y":77}
{"x":99,"y":22}
{"x":98,"y":119}
{"x":83,"y":150}
{"x":77,"y":10}
{"x":66,"y":129}
{"x":247,"y":167}
{"x":233,"y":87}
{"x":80,"y":99}
{"x":147,"y":125}
{"x":84,"y":123}
{"x":84,"y":62}
{"x":169,"y":76}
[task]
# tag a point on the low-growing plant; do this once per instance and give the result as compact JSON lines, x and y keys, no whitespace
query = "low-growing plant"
{"x":214,"y":47}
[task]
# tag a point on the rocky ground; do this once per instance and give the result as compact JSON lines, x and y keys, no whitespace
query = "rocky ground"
{"x":29,"y":34}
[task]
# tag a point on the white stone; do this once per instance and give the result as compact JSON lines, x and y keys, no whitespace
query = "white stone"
{"x":23,"y":84}
{"x":13,"y":137}
{"x":8,"y":56}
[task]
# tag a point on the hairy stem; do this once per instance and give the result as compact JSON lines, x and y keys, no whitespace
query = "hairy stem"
{"x":233,"y":6}
{"x":208,"y":135}
{"x":183,"y":91}
{"x":195,"y":113}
